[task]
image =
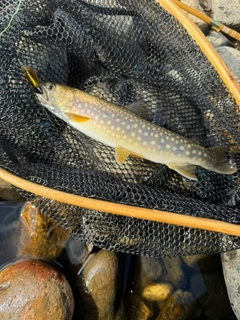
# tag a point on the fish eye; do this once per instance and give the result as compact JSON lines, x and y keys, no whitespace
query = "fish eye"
{"x":50,"y":86}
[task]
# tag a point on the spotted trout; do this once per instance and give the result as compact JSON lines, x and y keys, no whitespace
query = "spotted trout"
{"x":130,"y":134}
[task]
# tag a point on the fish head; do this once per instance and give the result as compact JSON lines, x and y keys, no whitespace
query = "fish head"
{"x":56,"y":97}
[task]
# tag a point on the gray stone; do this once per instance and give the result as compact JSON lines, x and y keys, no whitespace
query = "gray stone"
{"x":231,"y":57}
{"x":217,"y":39}
{"x":226,"y":11}
{"x":231,"y":271}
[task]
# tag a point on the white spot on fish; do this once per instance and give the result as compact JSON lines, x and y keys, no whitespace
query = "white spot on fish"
{"x":144,"y":143}
{"x":174,"y":148}
{"x":109,"y":122}
{"x":181,"y":147}
{"x":138,"y":138}
{"x":194,"y":152}
{"x":187,"y":153}
{"x":162,"y":140}
{"x":128,"y":127}
{"x":140,"y":131}
{"x":152,"y":143}
{"x":146,"y":133}
{"x":199,"y":153}
{"x":156,"y":135}
{"x":133,"y":134}
{"x":168,"y":146}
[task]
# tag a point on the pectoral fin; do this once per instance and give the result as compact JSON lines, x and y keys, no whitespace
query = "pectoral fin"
{"x":75,"y":117}
{"x":187,"y":170}
{"x":121,"y":154}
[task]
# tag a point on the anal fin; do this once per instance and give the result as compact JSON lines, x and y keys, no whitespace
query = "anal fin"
{"x":186,"y":170}
{"x":121,"y":154}
{"x":75,"y":117}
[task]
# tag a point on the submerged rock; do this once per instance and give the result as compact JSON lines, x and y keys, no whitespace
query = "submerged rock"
{"x":157,"y":292}
{"x":46,"y":238}
{"x":175,"y":273}
{"x":8,"y":192}
{"x":101,"y":279}
{"x":179,"y":306}
{"x":34,"y":290}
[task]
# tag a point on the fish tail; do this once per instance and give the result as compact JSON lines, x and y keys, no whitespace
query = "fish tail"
{"x":221,"y":163}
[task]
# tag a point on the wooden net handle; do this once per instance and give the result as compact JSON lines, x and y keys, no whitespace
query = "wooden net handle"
{"x":121,"y":209}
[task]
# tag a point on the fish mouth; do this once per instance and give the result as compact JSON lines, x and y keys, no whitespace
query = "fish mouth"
{"x":42,"y":92}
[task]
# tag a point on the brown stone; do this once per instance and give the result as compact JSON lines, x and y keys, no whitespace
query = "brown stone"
{"x":101,"y":277}
{"x":157,"y":292}
{"x":47,"y":239}
{"x":179,"y":306}
{"x":34,"y":290}
{"x":7,"y":192}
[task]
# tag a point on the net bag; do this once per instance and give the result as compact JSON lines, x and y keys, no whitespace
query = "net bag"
{"x":122,"y":51}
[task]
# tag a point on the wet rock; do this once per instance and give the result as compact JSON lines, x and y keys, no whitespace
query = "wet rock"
{"x":205,"y":263}
{"x":101,"y":278}
{"x":14,"y":235}
{"x":225,"y":11}
{"x":137,"y":309}
{"x":179,"y":306}
{"x":121,"y":313}
{"x":77,"y":251}
{"x":231,"y":263}
{"x":150,"y":270}
{"x":144,"y":271}
{"x":8,"y":192}
{"x":211,"y":294}
{"x":175,"y":273}
{"x":157,"y":292}
{"x":47,"y":239}
{"x":34,"y":290}
{"x":143,"y":312}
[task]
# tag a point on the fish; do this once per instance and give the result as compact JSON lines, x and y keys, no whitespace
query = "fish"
{"x":129,"y":134}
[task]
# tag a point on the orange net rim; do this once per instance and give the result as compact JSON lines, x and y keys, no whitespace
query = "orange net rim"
{"x":205,"y":46}
{"x":121,"y":209}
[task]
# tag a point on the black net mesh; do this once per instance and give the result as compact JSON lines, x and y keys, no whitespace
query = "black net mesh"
{"x":121,"y":51}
